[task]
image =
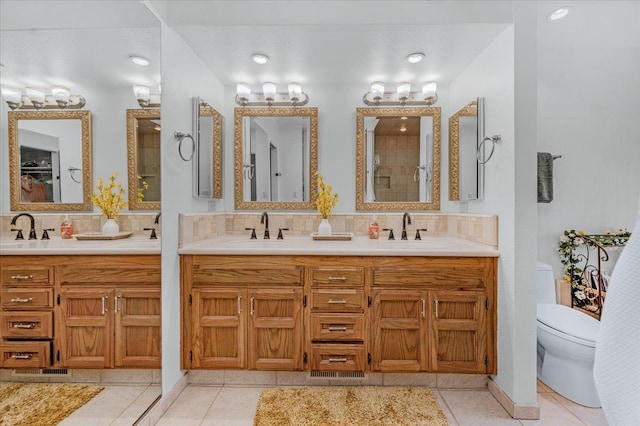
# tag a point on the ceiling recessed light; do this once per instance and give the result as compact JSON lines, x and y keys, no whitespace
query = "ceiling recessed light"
{"x":414,"y":58}
{"x":260,"y":58}
{"x":558,"y":14}
{"x":139,"y":60}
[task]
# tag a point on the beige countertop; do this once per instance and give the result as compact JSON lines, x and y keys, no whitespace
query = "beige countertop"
{"x":360,"y":245}
{"x":57,"y":246}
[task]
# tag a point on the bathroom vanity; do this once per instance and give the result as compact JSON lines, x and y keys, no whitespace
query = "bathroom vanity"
{"x":358,"y":306}
{"x":77,"y":304}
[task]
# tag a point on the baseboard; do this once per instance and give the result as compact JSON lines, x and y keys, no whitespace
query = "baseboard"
{"x":522,"y":412}
{"x":152,"y":416}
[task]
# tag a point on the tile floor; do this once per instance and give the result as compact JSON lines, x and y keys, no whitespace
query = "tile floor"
{"x":228,"y":405}
{"x":116,"y":405}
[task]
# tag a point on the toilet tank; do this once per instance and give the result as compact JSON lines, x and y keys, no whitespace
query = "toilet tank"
{"x":545,"y":284}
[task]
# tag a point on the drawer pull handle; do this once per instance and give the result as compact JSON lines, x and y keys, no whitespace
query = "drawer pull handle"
{"x":337,"y":360}
{"x":252,"y":306}
{"x":337,"y":278}
{"x":115,"y":299}
{"x":19,"y":300}
{"x":29,"y":326}
{"x":21,"y":277}
{"x":337,"y":328}
{"x":337,"y":302}
{"x":436,"y":307}
{"x":104,"y":301}
{"x":22,"y":356}
{"x":239,"y":305}
{"x":424,"y":308}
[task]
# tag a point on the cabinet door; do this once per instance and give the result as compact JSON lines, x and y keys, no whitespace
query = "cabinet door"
{"x":137,"y":328}
{"x":458,"y":331}
{"x":398,"y":328}
{"x":275,"y":329}
{"x":86,"y":328}
{"x":219,"y":327}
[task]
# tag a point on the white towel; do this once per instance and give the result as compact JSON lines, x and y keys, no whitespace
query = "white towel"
{"x":617,"y":362}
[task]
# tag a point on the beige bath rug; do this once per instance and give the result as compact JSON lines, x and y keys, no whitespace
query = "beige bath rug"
{"x":41,"y":404}
{"x":348,"y":406}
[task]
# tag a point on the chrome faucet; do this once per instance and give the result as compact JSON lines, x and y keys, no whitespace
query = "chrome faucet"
{"x":264,"y":220}
{"x":153,"y":235}
{"x":406,"y":219}
{"x":32,"y":231}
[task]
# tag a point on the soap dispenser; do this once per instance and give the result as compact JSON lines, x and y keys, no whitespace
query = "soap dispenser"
{"x":374,"y":229}
{"x":66,"y":228}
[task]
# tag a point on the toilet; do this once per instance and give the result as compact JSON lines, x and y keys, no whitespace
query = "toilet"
{"x":566,"y":344}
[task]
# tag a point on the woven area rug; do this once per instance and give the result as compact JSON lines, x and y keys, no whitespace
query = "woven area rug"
{"x":41,"y":404}
{"x":348,"y":405}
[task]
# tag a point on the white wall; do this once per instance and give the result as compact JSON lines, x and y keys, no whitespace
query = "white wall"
{"x":588,"y":112}
{"x":183,"y":77}
{"x":491,"y":75}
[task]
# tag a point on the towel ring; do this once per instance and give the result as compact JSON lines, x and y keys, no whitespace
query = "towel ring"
{"x":494,"y":140}
{"x":180,"y":138}
{"x":72,"y":170}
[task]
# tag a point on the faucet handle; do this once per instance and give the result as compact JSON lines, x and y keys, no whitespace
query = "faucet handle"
{"x":253,"y":233}
{"x":280,"y":236}
{"x":391,"y":237}
{"x":45,"y":233}
{"x":418,"y":233}
{"x":19,"y":236}
{"x":153,"y":235}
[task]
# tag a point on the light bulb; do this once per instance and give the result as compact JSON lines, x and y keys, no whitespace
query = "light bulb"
{"x":61,"y":95}
{"x":403,"y":90}
{"x":377,"y":90}
{"x":295,"y":92}
{"x":429,"y":91}
{"x":243,"y":92}
{"x":269,"y":91}
{"x":36,"y":97}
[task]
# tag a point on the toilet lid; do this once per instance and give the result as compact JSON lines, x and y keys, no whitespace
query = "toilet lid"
{"x":568,"y":321}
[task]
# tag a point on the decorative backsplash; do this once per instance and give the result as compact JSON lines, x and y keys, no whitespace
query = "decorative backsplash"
{"x":200,"y":226}
{"x":82,"y":223}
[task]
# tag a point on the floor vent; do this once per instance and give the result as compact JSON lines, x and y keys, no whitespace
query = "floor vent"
{"x":42,"y":372}
{"x":337,"y":374}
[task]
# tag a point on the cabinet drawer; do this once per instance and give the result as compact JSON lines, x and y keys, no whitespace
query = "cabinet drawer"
{"x":27,"y":298}
{"x":337,"y":327}
{"x":337,"y":357}
{"x":334,"y":300}
{"x":30,"y":275}
{"x":97,"y":274}
{"x":203,"y":274}
{"x":344,"y":277}
{"x":25,"y":354}
{"x":450,"y":276}
{"x":27,"y":325}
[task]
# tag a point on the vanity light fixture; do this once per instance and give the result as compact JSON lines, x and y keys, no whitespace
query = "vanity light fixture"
{"x":139,"y":60}
{"x":144,"y":95}
{"x":33,"y":98}
{"x":260,"y":58}
{"x":414,"y":58}
{"x":558,"y":13}
{"x":402,"y":96}
{"x":270,"y":96}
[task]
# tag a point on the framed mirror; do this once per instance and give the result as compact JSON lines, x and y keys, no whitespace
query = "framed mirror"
{"x":143,"y":158}
{"x":50,"y":160}
{"x":207,"y":164}
{"x":465,"y":172}
{"x":276,"y":157}
{"x":398,"y":158}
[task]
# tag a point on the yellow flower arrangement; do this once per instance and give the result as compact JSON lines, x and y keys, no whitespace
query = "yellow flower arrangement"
{"x":109,"y":198}
{"x":326,"y":200}
{"x":142,"y":186}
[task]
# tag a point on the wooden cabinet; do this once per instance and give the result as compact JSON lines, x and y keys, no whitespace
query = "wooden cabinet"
{"x":339,"y":313}
{"x":93,"y":311}
{"x":26,"y":314}
{"x":246,"y":315}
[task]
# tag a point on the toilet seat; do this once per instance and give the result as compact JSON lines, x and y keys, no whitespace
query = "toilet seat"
{"x":568,"y":323}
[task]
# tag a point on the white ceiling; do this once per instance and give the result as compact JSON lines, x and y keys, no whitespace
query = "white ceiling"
{"x":77,"y":43}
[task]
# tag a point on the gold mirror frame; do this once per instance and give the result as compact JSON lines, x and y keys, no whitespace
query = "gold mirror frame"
{"x":132,"y":158}
{"x":208,"y":111}
{"x":239,"y":114}
{"x":361,"y":154}
{"x":470,"y":110}
{"x":14,"y":159}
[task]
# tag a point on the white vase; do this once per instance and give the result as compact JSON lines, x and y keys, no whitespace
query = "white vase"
{"x":324,"y":228}
{"x":110,"y":227}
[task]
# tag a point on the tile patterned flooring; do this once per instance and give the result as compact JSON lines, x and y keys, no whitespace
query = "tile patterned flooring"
{"x":234,"y":405}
